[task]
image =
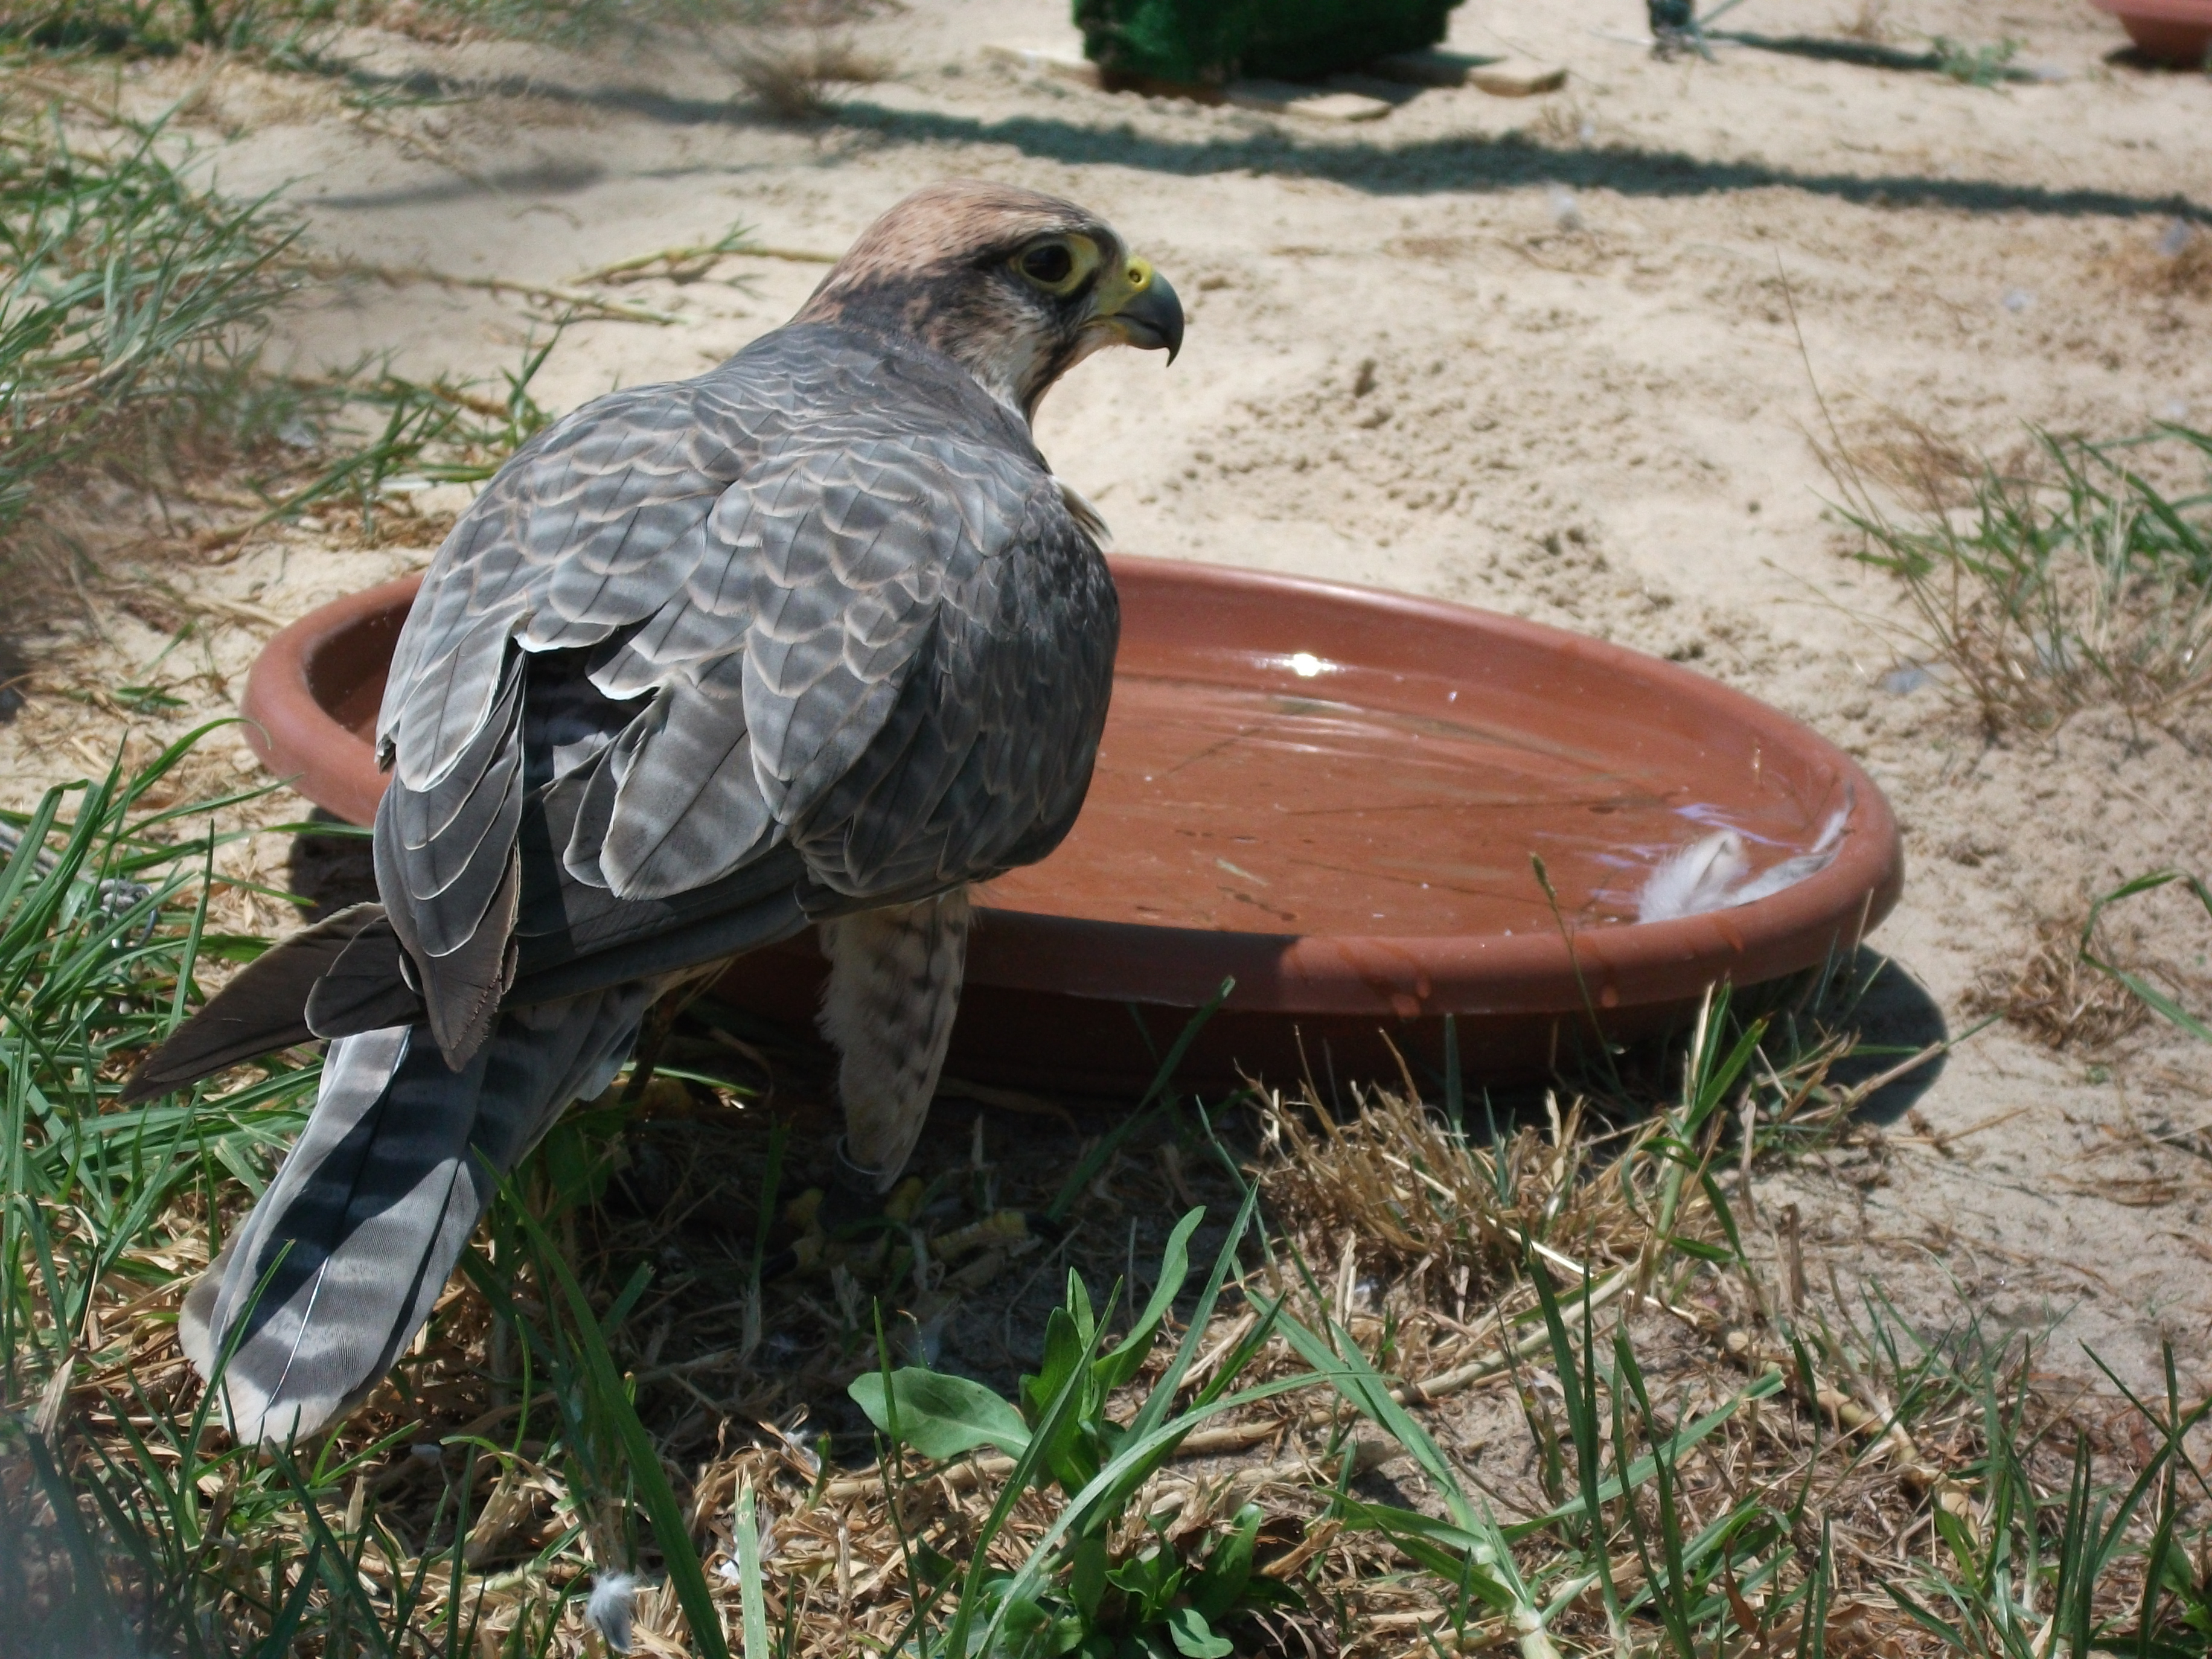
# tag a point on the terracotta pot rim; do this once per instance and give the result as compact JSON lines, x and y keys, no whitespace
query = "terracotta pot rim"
{"x":286,"y":725}
{"x":1621,"y":967}
{"x":2161,"y":11}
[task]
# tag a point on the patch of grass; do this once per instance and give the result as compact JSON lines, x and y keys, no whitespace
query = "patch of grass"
{"x":789,"y":55}
{"x":1973,"y":65}
{"x":292,"y":32}
{"x":159,"y":27}
{"x":2158,"y":997}
{"x":1075,"y":1590}
{"x":1920,"y":465}
{"x":378,"y":438}
{"x":132,"y":305}
{"x":560,"y":22}
{"x":1737,"y":1507}
{"x":2075,"y":582}
{"x":102,"y":910}
{"x":296,"y":33}
{"x":1449,"y":1384}
{"x":2057,"y":997}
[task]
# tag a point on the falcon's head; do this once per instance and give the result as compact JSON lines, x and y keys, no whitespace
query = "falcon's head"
{"x":1015,"y":286}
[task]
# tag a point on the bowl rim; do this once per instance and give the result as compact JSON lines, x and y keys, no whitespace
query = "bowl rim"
{"x":2198,"y":12}
{"x":1618,"y":967}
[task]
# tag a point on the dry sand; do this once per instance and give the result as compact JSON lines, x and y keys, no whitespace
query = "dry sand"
{"x":1536,"y":354}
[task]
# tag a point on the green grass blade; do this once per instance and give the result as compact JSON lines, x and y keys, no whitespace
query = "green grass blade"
{"x":751,"y":1592}
{"x":674,"y":1537}
{"x":1095,"y":1160}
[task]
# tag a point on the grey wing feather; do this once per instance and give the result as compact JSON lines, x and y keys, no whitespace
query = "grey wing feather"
{"x":589,"y":531}
{"x":800,"y":564}
{"x":986,"y":761}
{"x":461,"y":986}
{"x":687,"y":809}
{"x":366,"y":988}
{"x":458,"y":826}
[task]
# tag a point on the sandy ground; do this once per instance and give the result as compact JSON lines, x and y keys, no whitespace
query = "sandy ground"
{"x":1536,"y":354}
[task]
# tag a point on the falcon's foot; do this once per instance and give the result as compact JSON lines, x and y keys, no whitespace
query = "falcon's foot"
{"x":850,"y":1223}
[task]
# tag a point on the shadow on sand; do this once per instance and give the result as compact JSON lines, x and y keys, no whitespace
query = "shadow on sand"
{"x":1457,"y":162}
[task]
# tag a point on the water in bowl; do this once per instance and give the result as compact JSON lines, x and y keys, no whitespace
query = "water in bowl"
{"x":1248,"y":810}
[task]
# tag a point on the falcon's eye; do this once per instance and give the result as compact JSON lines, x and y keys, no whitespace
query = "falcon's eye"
{"x":1049,"y":264}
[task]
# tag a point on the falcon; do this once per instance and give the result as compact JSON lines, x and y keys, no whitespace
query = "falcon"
{"x":816,"y":638}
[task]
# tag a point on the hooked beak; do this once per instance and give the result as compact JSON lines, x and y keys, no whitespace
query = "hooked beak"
{"x":1141,"y":309}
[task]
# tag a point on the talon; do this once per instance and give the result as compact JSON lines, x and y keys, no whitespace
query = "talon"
{"x":1003,"y":1227}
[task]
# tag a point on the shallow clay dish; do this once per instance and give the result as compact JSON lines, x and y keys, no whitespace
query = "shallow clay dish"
{"x":2171,"y":31}
{"x":1333,"y":796}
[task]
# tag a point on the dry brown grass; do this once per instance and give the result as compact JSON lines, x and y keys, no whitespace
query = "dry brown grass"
{"x":1393,"y":1192}
{"x":1421,"y":1245}
{"x":2055,"y":996}
{"x":1567,"y":122}
{"x":2078,"y":574}
{"x":1928,"y":468}
{"x":2065,"y":1001}
{"x":2176,"y":264}
{"x":1868,"y":22}
{"x":788,"y":60}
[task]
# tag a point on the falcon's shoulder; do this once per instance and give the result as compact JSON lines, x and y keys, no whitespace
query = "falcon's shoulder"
{"x":984,"y":760}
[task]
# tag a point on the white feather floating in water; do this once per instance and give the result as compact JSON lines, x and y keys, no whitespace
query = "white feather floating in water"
{"x":1714,"y":872}
{"x":1697,"y":879}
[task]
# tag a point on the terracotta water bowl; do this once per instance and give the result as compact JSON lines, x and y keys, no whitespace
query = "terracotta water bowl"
{"x":1331,"y":795}
{"x":2169,"y":31}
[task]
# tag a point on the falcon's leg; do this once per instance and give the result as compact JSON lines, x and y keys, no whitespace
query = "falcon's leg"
{"x":894,"y":988}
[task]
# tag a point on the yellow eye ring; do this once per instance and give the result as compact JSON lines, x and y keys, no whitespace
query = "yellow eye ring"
{"x":1057,"y":264}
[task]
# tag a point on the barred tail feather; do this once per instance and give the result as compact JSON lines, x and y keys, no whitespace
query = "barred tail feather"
{"x":358,"y":1233}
